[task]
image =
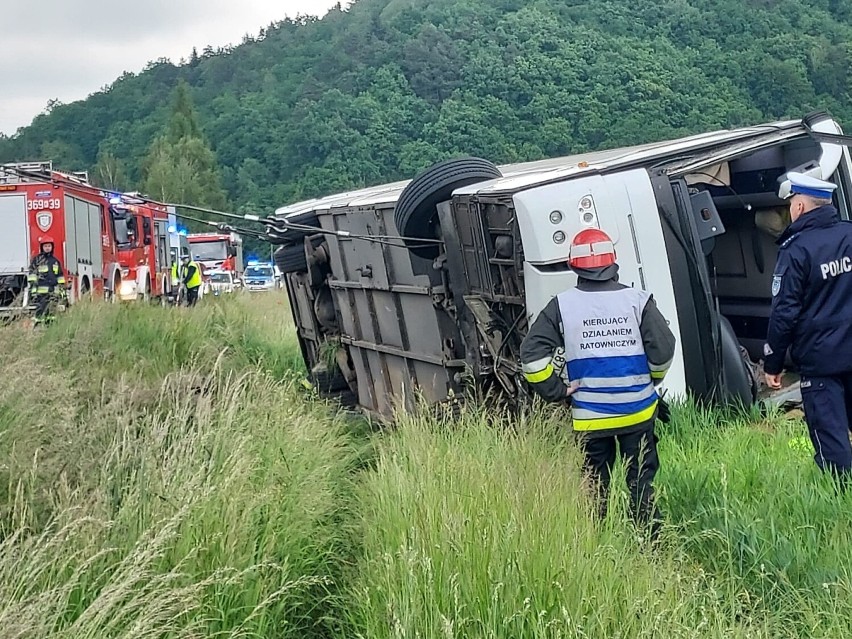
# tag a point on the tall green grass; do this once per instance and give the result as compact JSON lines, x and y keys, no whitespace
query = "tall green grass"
{"x":752,"y":507}
{"x":108,"y":341}
{"x":476,"y":529}
{"x":163,"y":478}
{"x":164,"y":473}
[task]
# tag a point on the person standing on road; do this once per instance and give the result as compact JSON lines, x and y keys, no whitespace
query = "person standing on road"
{"x":812,"y":316}
{"x":618,"y":348}
{"x":46,"y":280}
{"x":191,"y":280}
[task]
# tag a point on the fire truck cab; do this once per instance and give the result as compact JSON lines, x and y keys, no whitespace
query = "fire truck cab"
{"x":141,"y":231}
{"x":218,"y":252}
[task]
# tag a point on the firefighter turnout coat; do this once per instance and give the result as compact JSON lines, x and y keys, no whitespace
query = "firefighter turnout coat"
{"x":609,"y":340}
{"x":46,"y":275}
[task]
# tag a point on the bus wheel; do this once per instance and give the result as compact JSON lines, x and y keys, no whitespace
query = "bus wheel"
{"x":415,"y":214}
{"x":291,"y":259}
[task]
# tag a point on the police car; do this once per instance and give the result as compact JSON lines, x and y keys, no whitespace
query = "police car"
{"x":260,"y":277}
{"x":427,"y":287}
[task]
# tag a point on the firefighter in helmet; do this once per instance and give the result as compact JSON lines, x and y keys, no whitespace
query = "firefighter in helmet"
{"x":46,"y":280}
{"x":617,"y":349}
{"x":191,"y":277}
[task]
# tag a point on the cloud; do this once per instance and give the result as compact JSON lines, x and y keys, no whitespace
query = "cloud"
{"x":68,"y":49}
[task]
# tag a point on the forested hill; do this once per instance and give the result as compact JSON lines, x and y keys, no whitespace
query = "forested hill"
{"x":387,"y":87}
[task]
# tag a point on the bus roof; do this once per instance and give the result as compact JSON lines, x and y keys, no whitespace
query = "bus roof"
{"x":529,"y":174}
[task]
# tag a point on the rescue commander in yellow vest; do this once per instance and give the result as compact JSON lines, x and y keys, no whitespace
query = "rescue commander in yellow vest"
{"x":46,"y":280}
{"x":191,"y":276}
{"x":617,"y":349}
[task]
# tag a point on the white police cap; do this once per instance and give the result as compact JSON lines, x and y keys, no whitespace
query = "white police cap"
{"x":799,"y":183}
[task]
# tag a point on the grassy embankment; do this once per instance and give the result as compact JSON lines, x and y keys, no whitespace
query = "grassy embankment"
{"x":164,"y":474}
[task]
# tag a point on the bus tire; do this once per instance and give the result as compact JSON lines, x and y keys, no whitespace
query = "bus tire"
{"x":291,"y":259}
{"x":415,"y":214}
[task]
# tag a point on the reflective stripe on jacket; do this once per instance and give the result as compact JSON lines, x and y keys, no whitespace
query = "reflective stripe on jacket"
{"x":45,"y":274}
{"x":604,"y":353}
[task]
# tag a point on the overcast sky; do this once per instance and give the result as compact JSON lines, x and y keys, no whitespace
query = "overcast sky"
{"x":67,"y":49}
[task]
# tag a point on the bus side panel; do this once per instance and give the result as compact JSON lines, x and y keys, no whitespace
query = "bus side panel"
{"x":402,"y":341}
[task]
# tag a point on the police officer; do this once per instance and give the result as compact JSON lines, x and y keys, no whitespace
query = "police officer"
{"x":812,"y":316}
{"x":46,"y":280}
{"x":617,"y":349}
{"x":191,"y":280}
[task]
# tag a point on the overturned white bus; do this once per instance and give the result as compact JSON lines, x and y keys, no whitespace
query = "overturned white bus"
{"x":428,"y":286}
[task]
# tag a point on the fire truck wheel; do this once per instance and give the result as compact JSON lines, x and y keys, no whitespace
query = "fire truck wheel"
{"x":291,"y":259}
{"x":116,"y":286}
{"x":415,"y":215}
{"x":146,"y":294}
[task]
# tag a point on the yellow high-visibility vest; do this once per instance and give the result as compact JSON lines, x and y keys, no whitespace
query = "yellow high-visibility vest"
{"x":195,"y":280}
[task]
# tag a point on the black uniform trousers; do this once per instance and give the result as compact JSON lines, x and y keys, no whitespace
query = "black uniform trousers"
{"x":828,"y":412}
{"x":192,"y":295}
{"x":44,"y":306}
{"x":638,"y":447}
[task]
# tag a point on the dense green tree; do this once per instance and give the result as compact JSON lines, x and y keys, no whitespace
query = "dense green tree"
{"x":381,"y":90}
{"x":64,"y":155}
{"x":110,"y":172}
{"x":432,"y":64}
{"x":180,"y":166}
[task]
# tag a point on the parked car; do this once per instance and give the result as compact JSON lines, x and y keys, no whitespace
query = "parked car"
{"x":260,"y":278}
{"x":222,"y":282}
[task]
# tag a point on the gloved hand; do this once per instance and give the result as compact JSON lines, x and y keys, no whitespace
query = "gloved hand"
{"x":664,"y":413}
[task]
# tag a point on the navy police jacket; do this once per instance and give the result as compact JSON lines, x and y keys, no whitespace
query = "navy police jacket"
{"x":812,"y":296}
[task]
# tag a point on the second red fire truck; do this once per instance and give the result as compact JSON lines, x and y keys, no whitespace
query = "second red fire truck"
{"x":218,"y":252}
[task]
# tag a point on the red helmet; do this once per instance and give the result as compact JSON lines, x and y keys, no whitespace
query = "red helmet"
{"x":591,"y":248}
{"x":44,"y":239}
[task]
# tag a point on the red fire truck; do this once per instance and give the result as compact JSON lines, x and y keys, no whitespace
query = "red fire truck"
{"x":102,"y":241}
{"x":218,"y":252}
{"x":141,"y":231}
